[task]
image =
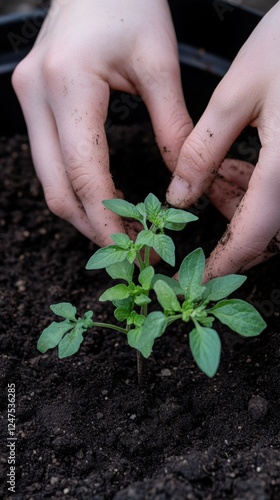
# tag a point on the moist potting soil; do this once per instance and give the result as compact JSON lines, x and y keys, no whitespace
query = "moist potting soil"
{"x":84,"y":429}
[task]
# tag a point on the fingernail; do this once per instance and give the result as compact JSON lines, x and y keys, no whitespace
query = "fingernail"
{"x":178,"y":192}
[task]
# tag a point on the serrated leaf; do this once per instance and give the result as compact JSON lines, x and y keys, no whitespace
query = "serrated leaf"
{"x":136,"y":319}
{"x":167,"y":297}
{"x":121,"y":240}
{"x":240,"y":316}
{"x":71,"y":342}
{"x":219,"y":288}
{"x":143,"y":338}
{"x":205,"y":346}
{"x":129,"y":303}
{"x":122,"y":207}
{"x":141,"y":209}
{"x":146,"y":276}
{"x":122,"y":313}
{"x":152,"y":206}
{"x":117,"y":292}
{"x":165,"y":248}
{"x":173,"y":283}
{"x":174,"y":226}
{"x":89,"y":314}
{"x":191,"y":273}
{"x":87,"y":319}
{"x":121,"y":270}
{"x":52,"y":335}
{"x":208,"y":321}
{"x":105,"y":257}
{"x":131,"y":255}
{"x":65,"y":310}
{"x":177,"y":216}
{"x":145,"y":238}
{"x":142,"y":300}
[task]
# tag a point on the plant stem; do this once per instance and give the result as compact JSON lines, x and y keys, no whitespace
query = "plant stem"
{"x":141,"y":361}
{"x":112,"y":327}
{"x":141,"y":369}
{"x":140,"y":261}
{"x":171,"y":319}
{"x":147,"y":256}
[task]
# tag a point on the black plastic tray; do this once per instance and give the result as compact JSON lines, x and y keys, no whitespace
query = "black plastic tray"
{"x":209,"y":33}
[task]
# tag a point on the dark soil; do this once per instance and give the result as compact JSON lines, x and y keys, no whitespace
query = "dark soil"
{"x":85,"y":429}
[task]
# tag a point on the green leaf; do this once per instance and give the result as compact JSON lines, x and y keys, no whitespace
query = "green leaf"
{"x":136,"y":319}
{"x":121,"y":270}
{"x":71,"y":342}
{"x":131,"y":255}
{"x":174,"y":226}
{"x":122,"y":207}
{"x":167,"y":297}
{"x":165,"y":248}
{"x":177,"y":216}
{"x":219,"y":288}
{"x":142,"y":299}
{"x":205,"y":346}
{"x":161,"y":243}
{"x":128,"y":303}
{"x":88,"y":314}
{"x":52,"y":335}
{"x":87,"y":319}
{"x":191,"y":273}
{"x":105,"y":257}
{"x":65,"y":310}
{"x":173,"y":283}
{"x":145,"y":238}
{"x":121,"y":240}
{"x":240,"y":316}
{"x":143,"y":338}
{"x":122,"y":313}
{"x":142,"y":211}
{"x":146,"y":276}
{"x":117,"y":292}
{"x":152,"y":206}
{"x":207,"y":321}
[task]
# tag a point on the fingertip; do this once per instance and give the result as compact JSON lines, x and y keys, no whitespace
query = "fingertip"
{"x":179,"y":192}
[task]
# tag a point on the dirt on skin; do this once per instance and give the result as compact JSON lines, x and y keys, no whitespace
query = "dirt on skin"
{"x":84,"y":428}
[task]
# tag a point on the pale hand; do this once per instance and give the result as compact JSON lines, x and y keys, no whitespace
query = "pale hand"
{"x":84,"y":49}
{"x":249,"y":94}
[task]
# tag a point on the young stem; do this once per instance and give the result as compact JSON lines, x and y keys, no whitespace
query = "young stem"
{"x":108,"y":325}
{"x":141,"y":368}
{"x":145,"y":262}
{"x":141,"y":361}
{"x":147,"y":256}
{"x":171,"y":319}
{"x":140,"y":261}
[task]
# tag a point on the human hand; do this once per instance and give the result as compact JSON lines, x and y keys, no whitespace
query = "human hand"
{"x":249,"y":94}
{"x":83,"y":50}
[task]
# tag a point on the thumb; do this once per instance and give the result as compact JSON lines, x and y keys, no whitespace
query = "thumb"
{"x":204,"y":150}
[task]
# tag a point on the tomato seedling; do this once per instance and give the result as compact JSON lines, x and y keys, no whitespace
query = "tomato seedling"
{"x":187,"y":299}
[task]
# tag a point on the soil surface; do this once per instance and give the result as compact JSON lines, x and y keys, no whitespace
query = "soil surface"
{"x":84,"y":428}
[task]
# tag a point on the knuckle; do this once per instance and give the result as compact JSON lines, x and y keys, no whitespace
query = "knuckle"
{"x":179,"y":123}
{"x":80,"y":178}
{"x":194,"y":153}
{"x":21,"y":77}
{"x":57,"y":204}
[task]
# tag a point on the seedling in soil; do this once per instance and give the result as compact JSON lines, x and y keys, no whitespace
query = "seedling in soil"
{"x":187,"y":299}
